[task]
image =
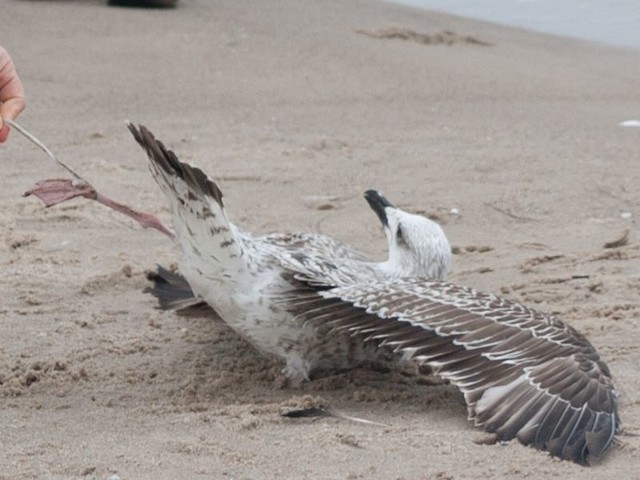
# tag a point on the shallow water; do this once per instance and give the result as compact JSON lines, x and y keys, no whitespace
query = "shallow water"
{"x":615,"y":22}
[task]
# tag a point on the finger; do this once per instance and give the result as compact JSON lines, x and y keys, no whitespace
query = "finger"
{"x":9,"y":109}
{"x":12,"y":107}
{"x":10,"y":84}
{"x":11,"y":93}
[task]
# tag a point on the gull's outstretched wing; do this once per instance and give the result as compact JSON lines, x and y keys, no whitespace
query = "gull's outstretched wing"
{"x":524,"y":374}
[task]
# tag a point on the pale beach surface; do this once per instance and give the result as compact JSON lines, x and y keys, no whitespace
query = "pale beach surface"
{"x":296,"y":108}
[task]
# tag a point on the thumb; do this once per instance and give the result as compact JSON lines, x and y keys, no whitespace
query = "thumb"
{"x":9,"y":109}
{"x":4,"y":130}
{"x":12,"y":107}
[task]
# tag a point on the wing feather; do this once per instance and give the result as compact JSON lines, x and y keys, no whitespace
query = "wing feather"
{"x":524,"y":375}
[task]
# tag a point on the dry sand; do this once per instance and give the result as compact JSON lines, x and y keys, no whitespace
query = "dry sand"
{"x":296,"y":114}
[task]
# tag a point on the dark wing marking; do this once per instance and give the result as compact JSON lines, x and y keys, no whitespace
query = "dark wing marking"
{"x":524,"y":375}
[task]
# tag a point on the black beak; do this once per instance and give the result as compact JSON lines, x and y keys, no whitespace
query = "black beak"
{"x":378,"y":204}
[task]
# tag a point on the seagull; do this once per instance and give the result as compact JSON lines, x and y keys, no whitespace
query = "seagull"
{"x":319,"y":305}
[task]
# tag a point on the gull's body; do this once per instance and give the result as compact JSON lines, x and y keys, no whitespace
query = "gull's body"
{"x":318,"y":304}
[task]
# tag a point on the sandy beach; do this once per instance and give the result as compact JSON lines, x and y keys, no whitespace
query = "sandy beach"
{"x":510,"y":139}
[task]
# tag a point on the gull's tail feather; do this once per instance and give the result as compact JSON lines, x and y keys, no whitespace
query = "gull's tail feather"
{"x":209,"y":242}
{"x":172,"y":291}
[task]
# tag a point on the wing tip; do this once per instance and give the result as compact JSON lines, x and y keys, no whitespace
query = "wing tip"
{"x":581,"y":436}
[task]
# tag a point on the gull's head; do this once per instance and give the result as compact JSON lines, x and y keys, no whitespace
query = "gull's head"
{"x":417,"y":246}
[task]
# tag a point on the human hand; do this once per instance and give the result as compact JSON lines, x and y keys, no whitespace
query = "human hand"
{"x":11,"y":93}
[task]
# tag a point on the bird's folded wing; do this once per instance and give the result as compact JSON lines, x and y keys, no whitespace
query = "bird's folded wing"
{"x":315,"y":245}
